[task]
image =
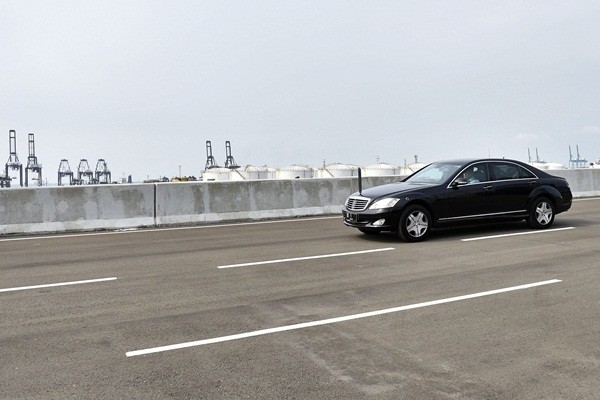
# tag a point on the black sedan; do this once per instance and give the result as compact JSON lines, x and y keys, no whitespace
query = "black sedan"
{"x":459,"y":191}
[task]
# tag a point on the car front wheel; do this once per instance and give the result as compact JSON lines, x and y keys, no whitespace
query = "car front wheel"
{"x":414,"y":224}
{"x":541,"y":214}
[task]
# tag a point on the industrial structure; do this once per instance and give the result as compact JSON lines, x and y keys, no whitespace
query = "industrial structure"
{"x":541,"y":164}
{"x":13,"y":163}
{"x":32,"y":164}
{"x":102,"y":172}
{"x":210,"y":160}
{"x":85,"y":175}
{"x":64,"y":171}
{"x":229,"y":160}
{"x":576,"y":162}
{"x":231,"y":171}
{"x":4,"y":181}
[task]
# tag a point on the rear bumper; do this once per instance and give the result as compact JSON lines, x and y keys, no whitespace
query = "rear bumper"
{"x":562,"y":205}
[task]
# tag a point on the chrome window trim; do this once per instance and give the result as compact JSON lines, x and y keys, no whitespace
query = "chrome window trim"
{"x":483,"y":215}
{"x":518,"y":165}
{"x":464,"y":169}
{"x":490,"y":173}
{"x":528,"y":170}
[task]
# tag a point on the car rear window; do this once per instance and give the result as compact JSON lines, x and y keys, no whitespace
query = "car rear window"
{"x":504,"y":171}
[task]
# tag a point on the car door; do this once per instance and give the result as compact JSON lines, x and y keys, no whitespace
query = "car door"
{"x":513,"y":185}
{"x":471,"y":194}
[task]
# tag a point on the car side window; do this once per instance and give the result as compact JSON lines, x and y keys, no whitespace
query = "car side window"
{"x":525,"y":174}
{"x":504,"y":171}
{"x":475,"y":173}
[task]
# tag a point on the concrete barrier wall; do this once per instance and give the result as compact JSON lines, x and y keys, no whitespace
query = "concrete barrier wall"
{"x":219,"y":201}
{"x":74,"y":208}
{"x":583,"y":182}
{"x":77,"y":208}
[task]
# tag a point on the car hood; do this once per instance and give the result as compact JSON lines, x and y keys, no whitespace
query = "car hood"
{"x":392,"y":189}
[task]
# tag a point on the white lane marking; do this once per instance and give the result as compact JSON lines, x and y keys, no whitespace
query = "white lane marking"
{"x":57,"y":284}
{"x":333,"y":320}
{"x":150,"y":230}
{"x":304,"y":258}
{"x":516,"y":234}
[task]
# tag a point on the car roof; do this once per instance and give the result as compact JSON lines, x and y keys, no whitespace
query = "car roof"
{"x":465,"y":161}
{"x":472,"y":160}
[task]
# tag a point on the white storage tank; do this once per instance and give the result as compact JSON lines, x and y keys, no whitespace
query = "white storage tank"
{"x":337,"y":170}
{"x":265,"y":172}
{"x":259,"y":173}
{"x":252,"y":172}
{"x":216,"y":174}
{"x":556,"y":166}
{"x":237,"y":174}
{"x":403,"y":170}
{"x":414,"y":167}
{"x":381,"y":169}
{"x":295,"y":171}
{"x":548,"y":165}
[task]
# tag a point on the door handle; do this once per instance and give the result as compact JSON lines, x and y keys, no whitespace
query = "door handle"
{"x":488,"y":187}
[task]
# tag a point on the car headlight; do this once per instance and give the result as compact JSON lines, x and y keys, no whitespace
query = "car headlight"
{"x":388,"y":202}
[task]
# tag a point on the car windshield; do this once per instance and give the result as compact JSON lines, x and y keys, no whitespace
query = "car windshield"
{"x":435,"y":173}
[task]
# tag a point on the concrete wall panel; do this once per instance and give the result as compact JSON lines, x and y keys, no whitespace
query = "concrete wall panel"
{"x":76,"y":208}
{"x":583,"y":182}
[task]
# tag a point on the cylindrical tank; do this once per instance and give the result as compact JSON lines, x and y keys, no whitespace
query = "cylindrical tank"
{"x":556,"y":166}
{"x":337,"y":170}
{"x":296,"y":172}
{"x":547,"y":165}
{"x":259,"y":173}
{"x":381,"y":169}
{"x":216,"y":174}
{"x":252,"y":172}
{"x":267,"y":172}
{"x":237,"y":174}
{"x":414,"y":167}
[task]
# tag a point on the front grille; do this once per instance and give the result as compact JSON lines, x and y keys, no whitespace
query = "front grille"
{"x":357,"y":203}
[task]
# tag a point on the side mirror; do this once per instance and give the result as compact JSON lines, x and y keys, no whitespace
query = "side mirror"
{"x":458,"y":182}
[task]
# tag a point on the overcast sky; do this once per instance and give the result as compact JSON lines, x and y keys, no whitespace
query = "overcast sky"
{"x":144,"y":84}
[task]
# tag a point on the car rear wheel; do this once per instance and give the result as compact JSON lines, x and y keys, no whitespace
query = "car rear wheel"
{"x":541,"y":214}
{"x":368,"y":231}
{"x":414,"y":224}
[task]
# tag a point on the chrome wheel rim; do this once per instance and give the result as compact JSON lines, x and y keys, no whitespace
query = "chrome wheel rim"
{"x":417,"y":224}
{"x":543,"y":213}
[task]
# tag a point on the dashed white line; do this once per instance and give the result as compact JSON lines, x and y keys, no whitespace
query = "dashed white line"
{"x":517,"y":234}
{"x":57,"y":284}
{"x":304,"y":258}
{"x":333,"y":320}
{"x":150,"y":230}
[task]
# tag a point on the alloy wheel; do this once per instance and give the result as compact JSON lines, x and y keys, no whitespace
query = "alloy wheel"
{"x":543,"y":213}
{"x":417,"y":224}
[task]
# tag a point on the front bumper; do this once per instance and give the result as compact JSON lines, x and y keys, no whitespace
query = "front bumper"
{"x":366,"y":218}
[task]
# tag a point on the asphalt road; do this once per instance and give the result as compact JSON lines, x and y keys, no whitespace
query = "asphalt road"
{"x":424,"y":321}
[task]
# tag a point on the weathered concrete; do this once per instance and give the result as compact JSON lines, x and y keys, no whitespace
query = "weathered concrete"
{"x":73,"y":208}
{"x":220,"y":201}
{"x":583,"y":182}
{"x":77,"y":208}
